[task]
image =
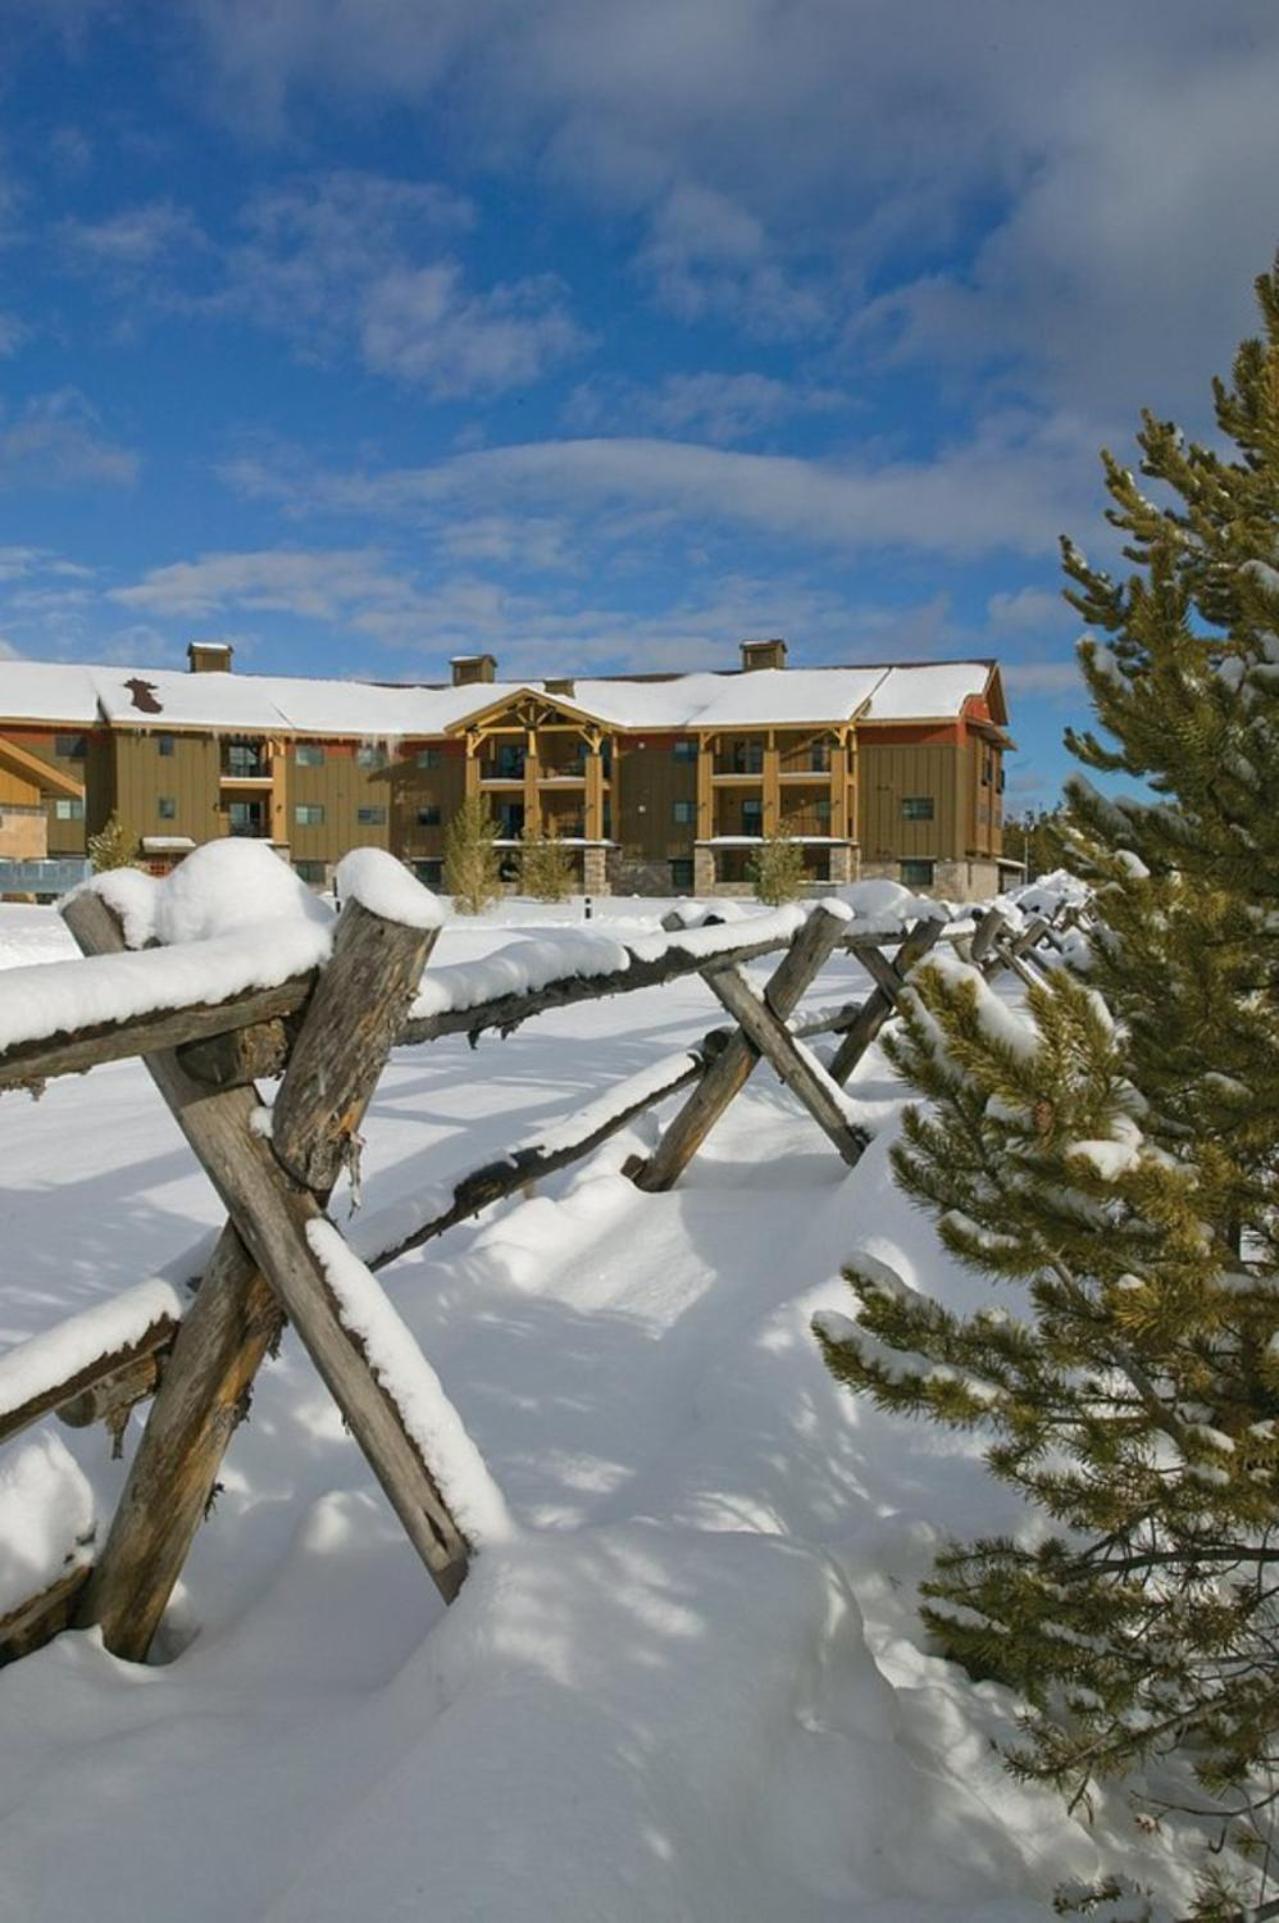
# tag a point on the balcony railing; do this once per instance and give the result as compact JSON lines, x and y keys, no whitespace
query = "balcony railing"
{"x":241,"y":762}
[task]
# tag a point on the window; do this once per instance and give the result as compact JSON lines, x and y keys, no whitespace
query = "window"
{"x":244,"y":761}
{"x":819,"y":757}
{"x":1003,"y":779}
{"x":309,"y":814}
{"x":167,"y":807}
{"x":309,"y":871}
{"x":917,"y":808}
{"x":823,"y":808}
{"x":429,"y":817}
{"x":747,"y":758}
{"x":68,"y":810}
{"x":370,"y":755}
{"x":164,"y":744}
{"x":685,"y":751}
{"x":246,"y":818}
{"x":429,"y":873}
{"x":752,"y":817}
{"x":508,"y":763}
{"x":428,"y":758}
{"x":681,"y":875}
{"x":917,"y":874}
{"x":370,"y":817}
{"x":684,"y":812}
{"x":69,"y":747}
{"x":309,"y":754}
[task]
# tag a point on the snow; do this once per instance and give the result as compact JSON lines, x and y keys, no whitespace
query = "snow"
{"x":408,"y":1378}
{"x":235,"y":915}
{"x":233,"y":884}
{"x":30,"y":1369}
{"x":691,"y":1682}
{"x":266,"y":704}
{"x":46,"y":1519}
{"x":385,"y":887}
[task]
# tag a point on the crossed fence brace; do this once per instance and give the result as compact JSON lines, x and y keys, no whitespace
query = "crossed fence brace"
{"x":275,"y":1182}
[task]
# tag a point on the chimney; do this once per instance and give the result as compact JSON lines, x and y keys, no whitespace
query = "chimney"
{"x":209,"y":657}
{"x":563,"y":685}
{"x":473,"y":667}
{"x":763,"y":654}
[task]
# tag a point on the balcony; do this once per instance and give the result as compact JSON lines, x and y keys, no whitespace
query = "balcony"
{"x":249,"y":820}
{"x":507,"y":765}
{"x":246,"y":761}
{"x":813,"y":758}
{"x":740,"y":758}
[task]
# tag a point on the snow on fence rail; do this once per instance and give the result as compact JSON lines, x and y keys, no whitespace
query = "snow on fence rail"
{"x":319,"y":1001}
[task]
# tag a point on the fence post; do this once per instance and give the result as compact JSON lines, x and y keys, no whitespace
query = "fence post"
{"x":236,"y":1316}
{"x":729,"y":1073}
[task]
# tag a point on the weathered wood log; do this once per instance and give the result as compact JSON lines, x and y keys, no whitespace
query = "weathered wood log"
{"x":515,"y":1171}
{"x":226,"y":1334}
{"x":727,"y":1076}
{"x":236,"y":1318}
{"x":40,"y":1618}
{"x":359,"y":1007}
{"x":97,"y":1376}
{"x":71,"y":1054}
{"x":802,"y":1074}
{"x":989,"y":927}
{"x":881,"y":1004}
{"x":239,"y":1056}
{"x":112,"y":1399}
{"x":508,"y":1012}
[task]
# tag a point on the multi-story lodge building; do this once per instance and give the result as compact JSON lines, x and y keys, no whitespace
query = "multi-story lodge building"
{"x":659,"y":783}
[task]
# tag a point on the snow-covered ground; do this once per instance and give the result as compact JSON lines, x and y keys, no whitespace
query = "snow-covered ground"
{"x":690,"y":1685}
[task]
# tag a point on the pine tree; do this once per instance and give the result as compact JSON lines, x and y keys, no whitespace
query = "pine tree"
{"x":470,"y":858}
{"x":113,"y":846}
{"x":777,"y":870}
{"x":546,"y":867}
{"x":1113,"y":1150}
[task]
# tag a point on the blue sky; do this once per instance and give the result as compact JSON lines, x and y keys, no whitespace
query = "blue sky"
{"x":364,"y":332}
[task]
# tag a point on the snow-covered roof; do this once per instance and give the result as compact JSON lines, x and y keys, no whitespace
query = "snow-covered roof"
{"x":267,"y":704}
{"x":47,"y":691}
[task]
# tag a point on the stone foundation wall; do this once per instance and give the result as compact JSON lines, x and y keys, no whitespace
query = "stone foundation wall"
{"x":24,"y":833}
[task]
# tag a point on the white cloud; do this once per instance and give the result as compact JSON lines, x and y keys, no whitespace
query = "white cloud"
{"x":723,"y":408}
{"x":1123,"y":156}
{"x":55,"y":440}
{"x":1012,"y":486}
{"x":318,"y":584}
{"x":706,"y":255}
{"x":1029,"y":611}
{"x":424,"y":327}
{"x":131,"y":239}
{"x":1044,"y":677}
{"x":337,"y":262}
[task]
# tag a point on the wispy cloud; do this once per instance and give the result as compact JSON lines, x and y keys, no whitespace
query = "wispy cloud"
{"x":1010,"y":487}
{"x":317,"y":584}
{"x":339,"y":263}
{"x":723,"y":408}
{"x":56,"y":441}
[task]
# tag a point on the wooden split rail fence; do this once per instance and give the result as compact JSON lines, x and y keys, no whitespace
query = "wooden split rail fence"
{"x":327,"y":1034}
